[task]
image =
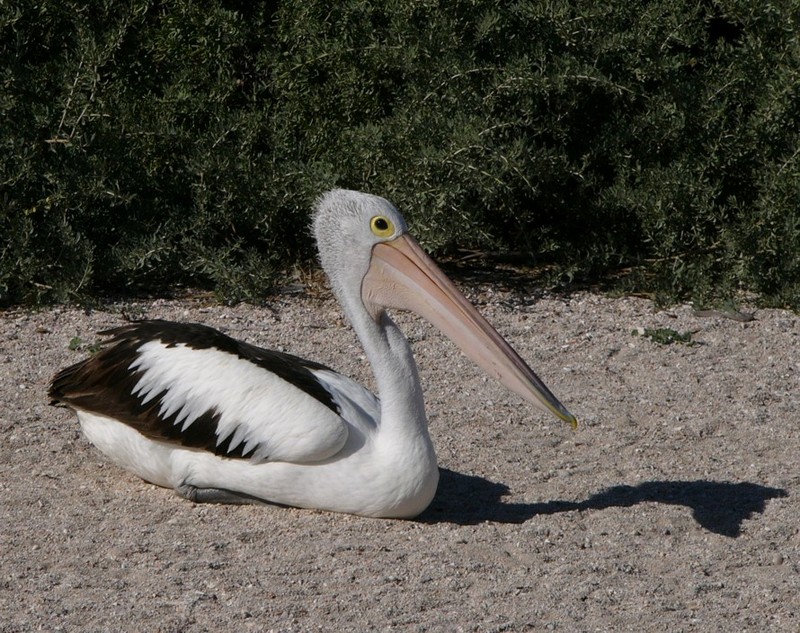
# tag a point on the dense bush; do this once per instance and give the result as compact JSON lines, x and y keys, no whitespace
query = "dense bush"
{"x":147,"y":144}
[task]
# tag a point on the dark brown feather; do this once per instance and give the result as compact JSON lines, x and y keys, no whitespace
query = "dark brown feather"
{"x":104,"y":384}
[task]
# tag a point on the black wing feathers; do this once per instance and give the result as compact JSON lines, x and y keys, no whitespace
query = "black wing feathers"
{"x":104,"y":383}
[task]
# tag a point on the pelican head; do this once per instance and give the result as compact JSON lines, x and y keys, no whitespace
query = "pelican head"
{"x":374,"y":264}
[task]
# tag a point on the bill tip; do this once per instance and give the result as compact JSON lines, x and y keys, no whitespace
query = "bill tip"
{"x":571,"y":420}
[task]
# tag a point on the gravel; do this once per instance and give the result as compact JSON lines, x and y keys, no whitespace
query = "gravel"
{"x":671,"y":508}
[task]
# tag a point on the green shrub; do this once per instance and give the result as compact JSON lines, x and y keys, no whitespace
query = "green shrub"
{"x":159,"y":143}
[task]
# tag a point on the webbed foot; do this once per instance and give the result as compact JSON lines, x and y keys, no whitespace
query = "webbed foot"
{"x":215,"y":495}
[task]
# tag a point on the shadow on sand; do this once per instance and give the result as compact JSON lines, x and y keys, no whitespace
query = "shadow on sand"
{"x":718,"y":506}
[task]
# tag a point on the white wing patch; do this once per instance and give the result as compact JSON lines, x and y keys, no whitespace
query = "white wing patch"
{"x":253,"y":405}
{"x":358,"y":405}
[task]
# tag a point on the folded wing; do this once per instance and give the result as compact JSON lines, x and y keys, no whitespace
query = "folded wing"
{"x":194,"y":386}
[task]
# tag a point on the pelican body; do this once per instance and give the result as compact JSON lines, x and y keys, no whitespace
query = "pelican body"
{"x":187,"y":407}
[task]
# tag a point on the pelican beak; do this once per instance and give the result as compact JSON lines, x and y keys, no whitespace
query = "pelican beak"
{"x":402,"y":276}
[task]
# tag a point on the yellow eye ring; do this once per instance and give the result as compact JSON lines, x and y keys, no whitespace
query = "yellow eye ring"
{"x":381,"y":226}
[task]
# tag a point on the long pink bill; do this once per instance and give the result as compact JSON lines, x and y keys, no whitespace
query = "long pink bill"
{"x":402,"y":276}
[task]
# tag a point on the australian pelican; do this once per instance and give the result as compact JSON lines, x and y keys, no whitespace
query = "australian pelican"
{"x":218,"y":420}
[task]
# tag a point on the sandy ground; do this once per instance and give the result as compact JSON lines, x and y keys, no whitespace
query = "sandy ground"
{"x":673,"y":507}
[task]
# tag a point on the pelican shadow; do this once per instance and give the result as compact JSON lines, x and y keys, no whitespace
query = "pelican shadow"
{"x":718,"y":506}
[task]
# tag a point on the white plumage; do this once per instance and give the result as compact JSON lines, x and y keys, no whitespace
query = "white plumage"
{"x":185,"y":406}
{"x":253,"y":405}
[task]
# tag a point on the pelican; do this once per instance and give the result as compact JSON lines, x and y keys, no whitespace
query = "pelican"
{"x":218,"y":420}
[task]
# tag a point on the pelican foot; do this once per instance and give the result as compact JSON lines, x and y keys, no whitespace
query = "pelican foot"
{"x":215,"y":495}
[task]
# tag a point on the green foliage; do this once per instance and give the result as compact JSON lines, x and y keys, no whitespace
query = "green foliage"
{"x":665,"y":336}
{"x":77,"y":344}
{"x":149,"y":144}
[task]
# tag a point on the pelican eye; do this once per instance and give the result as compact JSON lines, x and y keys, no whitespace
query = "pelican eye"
{"x":382,"y":226}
